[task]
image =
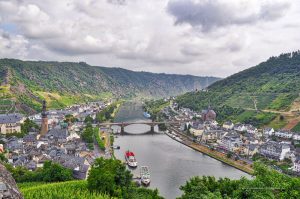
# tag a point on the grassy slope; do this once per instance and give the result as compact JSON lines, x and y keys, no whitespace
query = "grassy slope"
{"x":273,"y":84}
{"x":62,"y":190}
{"x":296,"y":128}
{"x":65,"y":83}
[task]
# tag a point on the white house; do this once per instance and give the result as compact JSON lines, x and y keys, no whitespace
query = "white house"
{"x":228,"y":125}
{"x":296,"y":166}
{"x":10,"y":123}
{"x":251,"y":129}
{"x":240,"y":127}
{"x":231,"y":142}
{"x":284,"y":134}
{"x":274,"y":150}
{"x":296,"y":136}
{"x":269,"y":131}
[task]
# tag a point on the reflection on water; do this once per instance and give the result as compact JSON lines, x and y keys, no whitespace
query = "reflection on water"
{"x":170,"y":162}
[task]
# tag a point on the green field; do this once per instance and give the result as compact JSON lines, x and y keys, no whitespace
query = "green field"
{"x":296,"y":128}
{"x":277,"y":123}
{"x":62,"y":190}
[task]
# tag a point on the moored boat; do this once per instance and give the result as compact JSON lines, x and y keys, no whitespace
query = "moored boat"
{"x":145,"y":175}
{"x":147,"y":115}
{"x":130,"y":159}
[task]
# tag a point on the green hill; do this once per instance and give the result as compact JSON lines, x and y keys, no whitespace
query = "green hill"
{"x":270,"y":87}
{"x":64,"y":83}
{"x":64,"y":190}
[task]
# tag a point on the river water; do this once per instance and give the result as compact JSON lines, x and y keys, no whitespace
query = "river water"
{"x":171,"y":163}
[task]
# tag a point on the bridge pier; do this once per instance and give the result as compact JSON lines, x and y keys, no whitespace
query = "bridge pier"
{"x":152,"y":129}
{"x":122,"y":129}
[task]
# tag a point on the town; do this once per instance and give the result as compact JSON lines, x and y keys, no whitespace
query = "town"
{"x":241,"y":143}
{"x":55,"y":135}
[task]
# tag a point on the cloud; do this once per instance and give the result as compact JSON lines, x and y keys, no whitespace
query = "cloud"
{"x":198,"y":37}
{"x":12,"y":45}
{"x":209,"y":15}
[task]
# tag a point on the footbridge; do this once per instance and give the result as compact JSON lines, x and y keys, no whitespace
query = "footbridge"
{"x":124,"y":124}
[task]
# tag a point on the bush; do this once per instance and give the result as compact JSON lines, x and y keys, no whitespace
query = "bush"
{"x":51,"y":172}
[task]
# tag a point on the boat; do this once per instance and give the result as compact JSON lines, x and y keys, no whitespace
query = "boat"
{"x":147,"y":115}
{"x":130,"y":159}
{"x":116,"y":147}
{"x":145,"y":175}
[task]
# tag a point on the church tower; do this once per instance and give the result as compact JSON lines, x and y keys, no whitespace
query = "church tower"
{"x":44,"y":127}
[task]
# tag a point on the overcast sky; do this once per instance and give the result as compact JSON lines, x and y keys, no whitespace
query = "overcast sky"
{"x":199,"y":37}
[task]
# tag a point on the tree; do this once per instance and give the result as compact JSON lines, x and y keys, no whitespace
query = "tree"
{"x":88,"y":133}
{"x":28,"y":125}
{"x":88,"y":119}
{"x":70,"y":119}
{"x":3,"y":158}
{"x":109,"y":176}
{"x":229,"y":155}
{"x":53,"y":172}
{"x":266,"y":184}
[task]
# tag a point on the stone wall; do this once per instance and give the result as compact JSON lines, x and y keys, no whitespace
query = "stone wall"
{"x":8,"y":186}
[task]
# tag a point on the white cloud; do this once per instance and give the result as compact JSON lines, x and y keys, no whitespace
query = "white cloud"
{"x":174,"y":36}
{"x":11,"y":46}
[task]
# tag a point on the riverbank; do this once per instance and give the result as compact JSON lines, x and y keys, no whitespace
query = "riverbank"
{"x":243,"y":166}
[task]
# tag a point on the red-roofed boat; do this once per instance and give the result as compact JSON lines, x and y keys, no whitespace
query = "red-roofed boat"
{"x":130,"y":159}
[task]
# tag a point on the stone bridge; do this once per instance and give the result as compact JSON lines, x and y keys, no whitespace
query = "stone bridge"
{"x":124,"y":124}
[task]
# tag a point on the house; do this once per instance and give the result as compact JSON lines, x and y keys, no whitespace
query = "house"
{"x":57,"y":136}
{"x":296,"y":166}
{"x":240,"y":127}
{"x":30,"y":139}
{"x":14,"y":145}
{"x":284,"y":134}
{"x":274,"y":150}
{"x":197,"y":131}
{"x":251,"y":129}
{"x":231,"y":142}
{"x":197,"y":128}
{"x":212,"y":135}
{"x":228,"y":125}
{"x":296,"y":136}
{"x":250,"y":149}
{"x":10,"y":123}
{"x":268,"y":131}
{"x":208,"y":114}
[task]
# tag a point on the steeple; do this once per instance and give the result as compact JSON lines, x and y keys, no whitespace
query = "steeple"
{"x":44,"y":109}
{"x":44,"y":127}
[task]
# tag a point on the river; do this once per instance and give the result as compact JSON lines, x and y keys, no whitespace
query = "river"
{"x":171,"y":163}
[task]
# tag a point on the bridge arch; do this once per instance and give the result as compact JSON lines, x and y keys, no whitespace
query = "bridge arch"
{"x":124,"y":124}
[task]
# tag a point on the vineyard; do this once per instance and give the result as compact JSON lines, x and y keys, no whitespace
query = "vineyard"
{"x":61,"y":190}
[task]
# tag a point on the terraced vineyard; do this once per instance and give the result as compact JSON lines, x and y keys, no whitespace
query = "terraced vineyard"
{"x":62,"y":190}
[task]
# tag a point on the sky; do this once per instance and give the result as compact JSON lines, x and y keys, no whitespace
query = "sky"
{"x":197,"y":37}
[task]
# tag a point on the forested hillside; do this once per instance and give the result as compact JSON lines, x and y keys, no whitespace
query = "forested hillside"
{"x":271,"y":85}
{"x":64,"y":83}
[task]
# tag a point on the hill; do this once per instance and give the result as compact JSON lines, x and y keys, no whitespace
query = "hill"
{"x":70,"y":189}
{"x":27,"y":83}
{"x":272,"y":88}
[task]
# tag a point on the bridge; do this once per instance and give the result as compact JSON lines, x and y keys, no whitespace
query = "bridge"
{"x":124,"y":124}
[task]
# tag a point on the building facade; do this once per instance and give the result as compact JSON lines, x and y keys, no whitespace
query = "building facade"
{"x":10,"y":123}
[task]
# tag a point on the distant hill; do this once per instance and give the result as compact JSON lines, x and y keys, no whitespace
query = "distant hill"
{"x":27,"y":83}
{"x":272,"y":86}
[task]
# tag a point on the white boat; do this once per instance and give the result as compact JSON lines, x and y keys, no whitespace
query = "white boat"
{"x":130,"y":159}
{"x":145,"y":175}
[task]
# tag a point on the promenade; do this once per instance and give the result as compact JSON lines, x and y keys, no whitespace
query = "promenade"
{"x":238,"y":164}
